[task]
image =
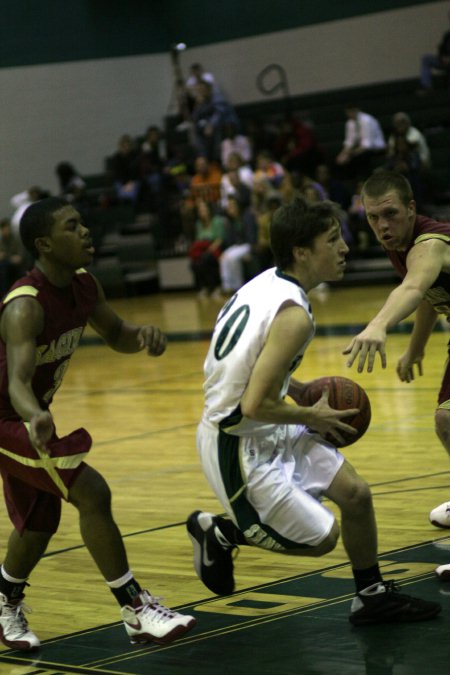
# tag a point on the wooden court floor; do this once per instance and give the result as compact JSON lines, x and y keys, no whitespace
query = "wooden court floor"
{"x":288,"y":615}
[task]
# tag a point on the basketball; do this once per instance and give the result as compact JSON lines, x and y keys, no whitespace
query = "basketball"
{"x":343,"y":394}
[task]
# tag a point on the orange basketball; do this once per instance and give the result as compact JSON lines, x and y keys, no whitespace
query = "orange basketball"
{"x":343,"y":394}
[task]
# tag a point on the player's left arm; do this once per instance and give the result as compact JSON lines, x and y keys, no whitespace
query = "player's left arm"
{"x":425,"y":320}
{"x":123,"y":336}
{"x":425,"y":261}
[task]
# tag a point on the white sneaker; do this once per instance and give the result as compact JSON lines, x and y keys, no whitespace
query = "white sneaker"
{"x":440,"y":516}
{"x":14,"y":631}
{"x":148,"y":621}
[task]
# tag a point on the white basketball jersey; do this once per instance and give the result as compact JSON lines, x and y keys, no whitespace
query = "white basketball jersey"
{"x":240,"y":333}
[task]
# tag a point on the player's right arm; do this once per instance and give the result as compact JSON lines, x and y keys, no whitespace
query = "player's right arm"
{"x":425,"y":261}
{"x":261,"y":400}
{"x":21,"y":321}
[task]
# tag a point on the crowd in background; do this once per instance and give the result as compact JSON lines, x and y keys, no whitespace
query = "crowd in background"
{"x":211,"y":181}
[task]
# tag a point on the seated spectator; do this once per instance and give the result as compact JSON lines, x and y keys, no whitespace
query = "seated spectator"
{"x":262,"y":257}
{"x":295,"y":184}
{"x":402,"y":127}
{"x":296,"y":146}
{"x":241,"y":231}
{"x":211,"y":113}
{"x":363,"y":140}
{"x":439,"y":61}
{"x":404,"y":158}
{"x":362,"y":235}
{"x":332,"y":187}
{"x":268,"y":168}
{"x":71,"y":186}
{"x":151,"y":163}
{"x":124,"y":169}
{"x":237,"y":180}
{"x":205,"y":183}
{"x":234,"y":142}
{"x":206,"y":249}
{"x":12,"y":256}
{"x":21,"y":201}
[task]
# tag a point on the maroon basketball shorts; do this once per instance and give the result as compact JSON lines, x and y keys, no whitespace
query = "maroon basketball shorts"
{"x":34,"y":483}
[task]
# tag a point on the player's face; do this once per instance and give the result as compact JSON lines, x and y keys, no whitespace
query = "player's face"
{"x":327,"y":255}
{"x":391,"y":221}
{"x":69,"y":243}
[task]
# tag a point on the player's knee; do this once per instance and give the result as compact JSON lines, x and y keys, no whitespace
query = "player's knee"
{"x":90,"y":492}
{"x":358,"y":498}
{"x":442,"y":425}
{"x":329,"y":543}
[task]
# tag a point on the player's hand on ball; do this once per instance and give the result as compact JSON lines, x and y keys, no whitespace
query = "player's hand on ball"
{"x":152,"y":339}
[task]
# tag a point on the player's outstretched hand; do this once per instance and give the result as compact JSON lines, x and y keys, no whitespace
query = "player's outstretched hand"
{"x":152,"y":339}
{"x":405,"y":367}
{"x":365,"y":346}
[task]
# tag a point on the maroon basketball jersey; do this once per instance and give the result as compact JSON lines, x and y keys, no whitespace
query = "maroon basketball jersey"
{"x":426,"y":228}
{"x":66,"y":312}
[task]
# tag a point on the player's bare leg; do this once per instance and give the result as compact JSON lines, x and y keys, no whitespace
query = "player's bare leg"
{"x":91,"y":495}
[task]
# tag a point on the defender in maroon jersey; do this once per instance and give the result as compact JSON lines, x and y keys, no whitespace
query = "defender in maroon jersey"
{"x":42,"y":319}
{"x":419,"y":249}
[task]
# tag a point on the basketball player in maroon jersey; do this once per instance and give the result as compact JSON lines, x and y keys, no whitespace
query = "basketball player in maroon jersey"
{"x":42,"y":319}
{"x":419,"y":249}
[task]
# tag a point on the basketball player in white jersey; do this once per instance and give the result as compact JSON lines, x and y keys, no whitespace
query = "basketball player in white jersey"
{"x":265,"y":457}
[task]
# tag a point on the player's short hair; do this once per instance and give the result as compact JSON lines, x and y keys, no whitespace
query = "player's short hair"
{"x":37,"y":221}
{"x":299,"y":223}
{"x":382,"y":181}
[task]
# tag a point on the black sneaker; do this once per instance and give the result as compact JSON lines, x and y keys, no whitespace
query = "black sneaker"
{"x":382,"y":603}
{"x":213,"y":560}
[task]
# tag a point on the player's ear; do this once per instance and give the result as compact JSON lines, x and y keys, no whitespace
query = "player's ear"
{"x":42,"y":244}
{"x":412,"y":208}
{"x":299,"y":253}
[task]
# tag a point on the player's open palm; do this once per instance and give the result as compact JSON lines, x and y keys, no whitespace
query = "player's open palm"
{"x":364,"y":348}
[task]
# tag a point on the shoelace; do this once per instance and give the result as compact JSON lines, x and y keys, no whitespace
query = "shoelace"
{"x":17,"y":614}
{"x":153,"y":605}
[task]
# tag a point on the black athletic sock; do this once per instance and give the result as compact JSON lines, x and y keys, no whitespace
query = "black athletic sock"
{"x":12,"y":589}
{"x":367,"y":577}
{"x":125,"y":594}
{"x":231,"y":532}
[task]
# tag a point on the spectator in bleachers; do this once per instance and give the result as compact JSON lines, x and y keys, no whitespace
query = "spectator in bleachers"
{"x":205,"y":183}
{"x":21,"y":201}
{"x":241,"y":230}
{"x":235,"y":142}
{"x":439,"y":61}
{"x":12,"y":256}
{"x":151,"y":163}
{"x":211,"y":113}
{"x":363,"y":140}
{"x":268,"y":168}
{"x":402,"y":128}
{"x":124,"y":169}
{"x":197,"y":74}
{"x":297,"y":147}
{"x":71,"y":186}
{"x":297,"y":184}
{"x":404,"y":158}
{"x":237,"y":180}
{"x":333,"y":188}
{"x":206,"y":249}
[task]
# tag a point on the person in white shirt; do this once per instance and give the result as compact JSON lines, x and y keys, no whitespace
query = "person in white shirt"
{"x":363,"y":138}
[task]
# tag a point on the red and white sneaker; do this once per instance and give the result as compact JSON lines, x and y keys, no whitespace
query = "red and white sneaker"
{"x":146,"y":620}
{"x":14,"y":631}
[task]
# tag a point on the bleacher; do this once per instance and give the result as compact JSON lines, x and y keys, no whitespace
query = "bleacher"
{"x":130,"y":260}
